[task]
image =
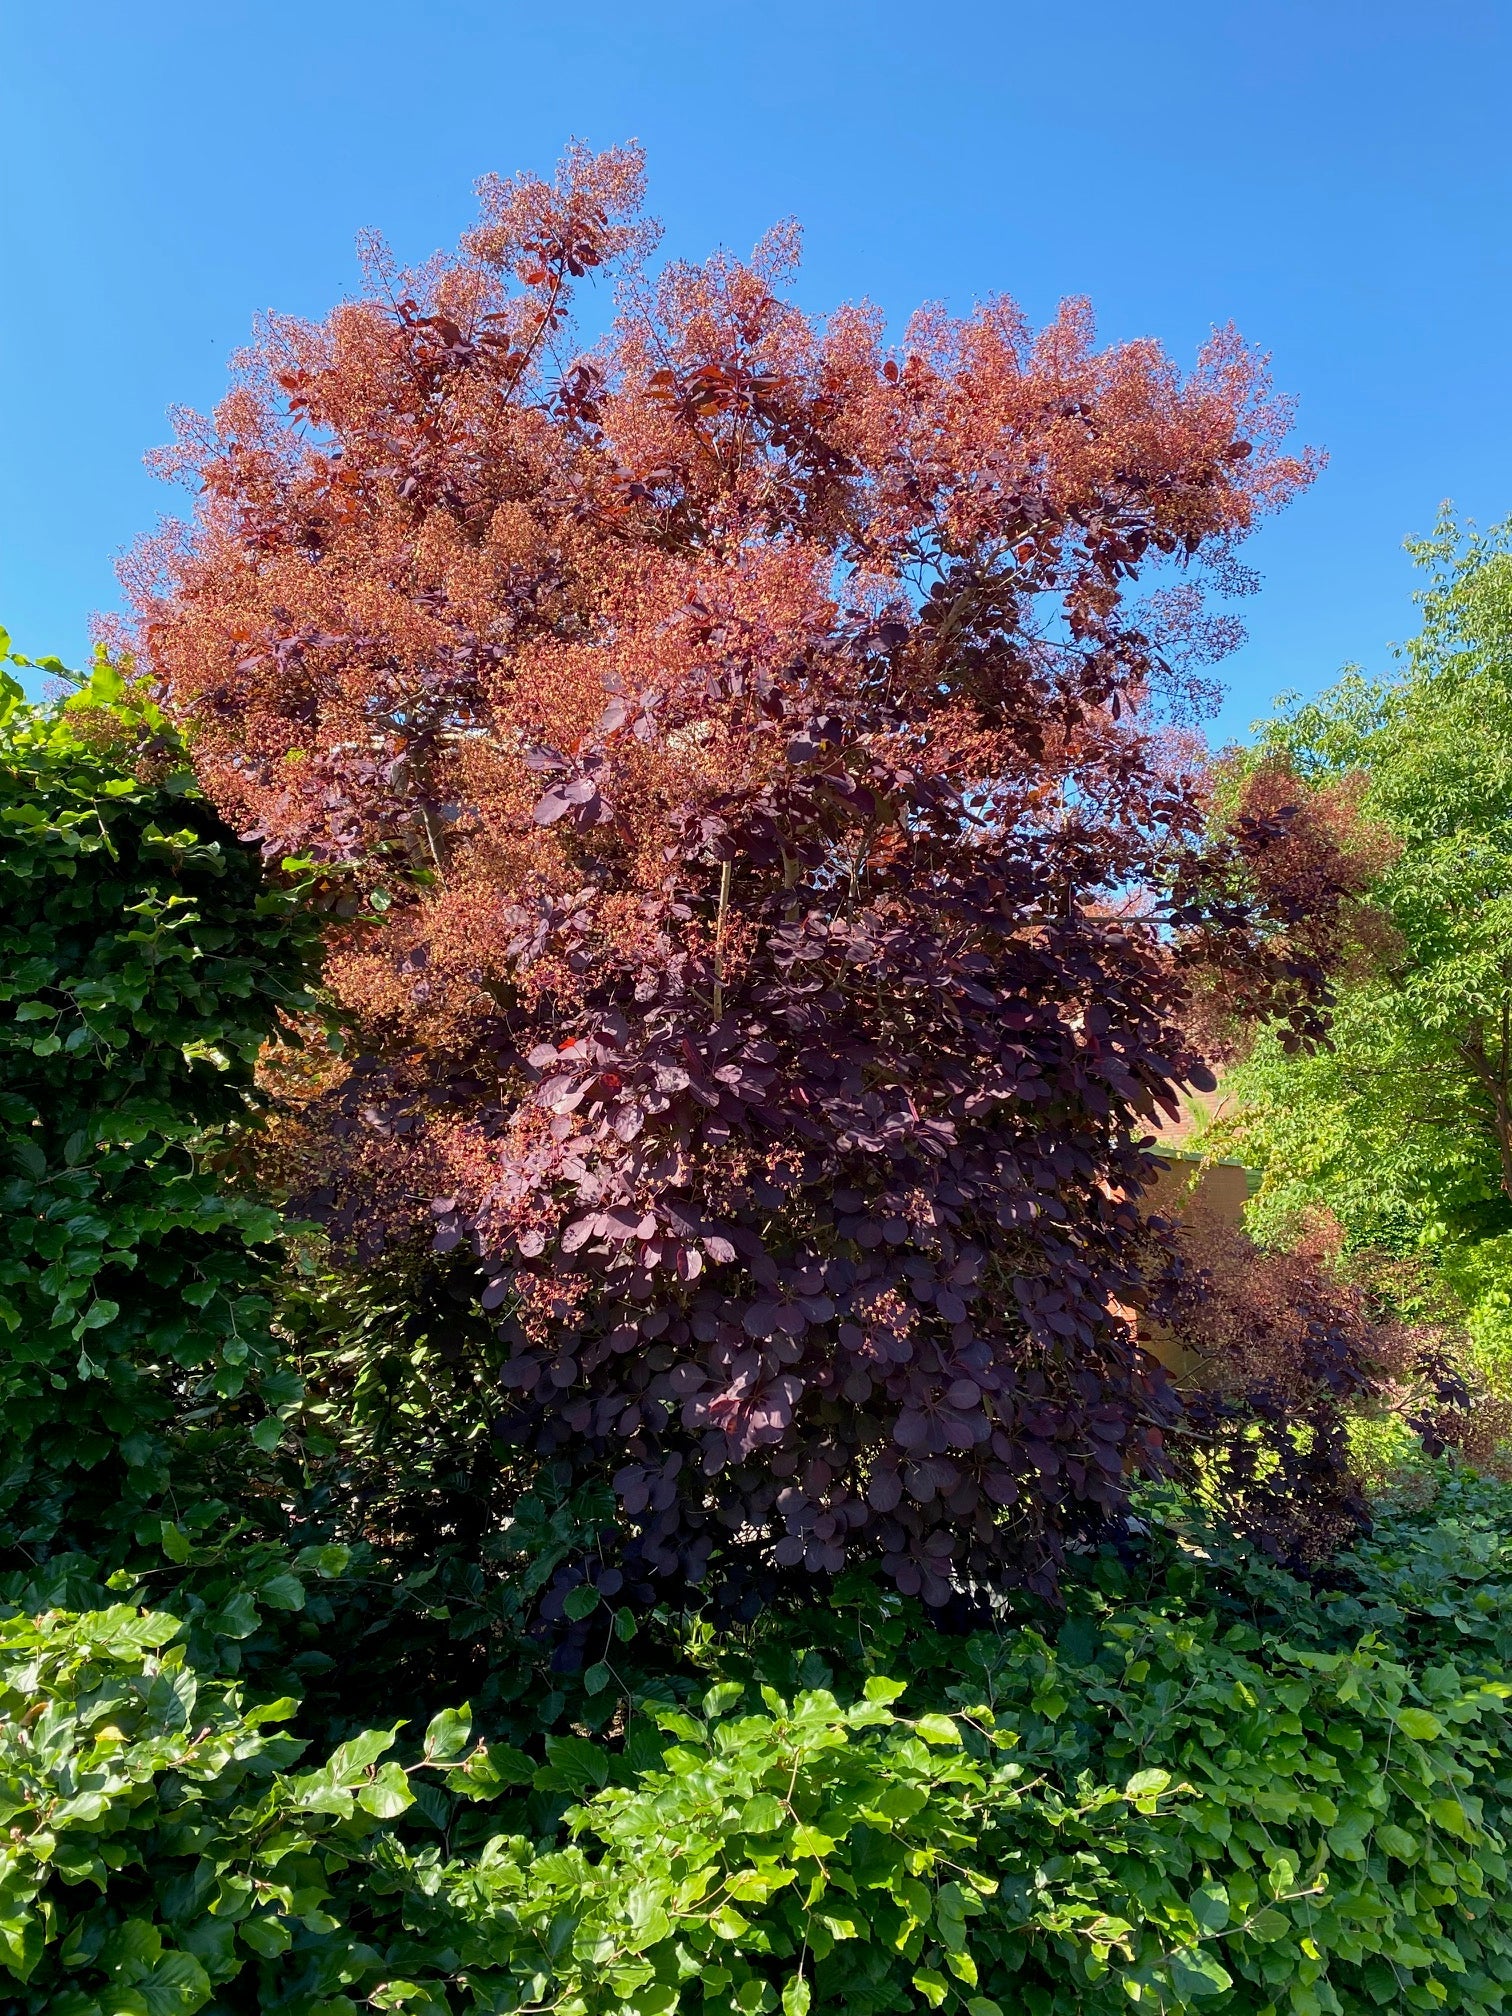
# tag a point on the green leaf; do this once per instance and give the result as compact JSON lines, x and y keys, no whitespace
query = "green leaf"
{"x":796,"y":1996}
{"x":350,"y":1760}
{"x":327,"y":1562}
{"x":581,"y":1602}
{"x":448,"y":1734}
{"x":238,"y":1616}
{"x":21,"y":1945}
{"x":573,"y":1764}
{"x":950,"y":1902}
{"x":939,"y":1730}
{"x":932,"y":1986}
{"x":388,"y":1795}
{"x":282,"y":1592}
{"x":1419,"y":1724}
{"x":1451,"y":1816}
{"x":763,"y":1814}
{"x":1147,"y":1785}
{"x":1398,"y":1842}
{"x":1197,"y":1972}
{"x":649,"y":1923}
{"x":493,"y":1767}
{"x":900,"y":1802}
{"x":1348,"y":1839}
{"x":1269,"y":1925}
{"x":412,"y":1997}
{"x":884,"y":1691}
{"x":1209,"y":1905}
{"x":176,"y":1542}
{"x":266,"y":1937}
{"x":176,"y":1986}
{"x":272,"y":1711}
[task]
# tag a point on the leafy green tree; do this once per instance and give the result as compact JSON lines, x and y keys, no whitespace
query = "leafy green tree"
{"x":145,"y":959}
{"x":1403,"y":1127}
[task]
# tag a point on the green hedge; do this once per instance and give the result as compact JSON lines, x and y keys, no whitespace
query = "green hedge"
{"x":1207,"y":1787}
{"x":144,"y":961}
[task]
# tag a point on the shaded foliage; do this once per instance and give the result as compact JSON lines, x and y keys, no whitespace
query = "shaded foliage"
{"x":144,"y":961}
{"x":1281,"y":1355}
{"x":1309,"y":849}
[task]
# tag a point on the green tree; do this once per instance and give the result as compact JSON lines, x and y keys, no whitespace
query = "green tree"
{"x":1403,"y":1126}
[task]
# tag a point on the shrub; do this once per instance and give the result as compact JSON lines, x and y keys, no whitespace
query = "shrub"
{"x":145,"y":959}
{"x":160,"y":1843}
{"x":744,"y":751}
{"x":1401,"y":1127}
{"x":1207,"y":1788}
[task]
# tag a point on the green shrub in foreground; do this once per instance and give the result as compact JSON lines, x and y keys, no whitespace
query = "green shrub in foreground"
{"x":1166,"y":1810}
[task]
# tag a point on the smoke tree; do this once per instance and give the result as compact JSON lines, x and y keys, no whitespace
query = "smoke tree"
{"x":769,"y":897}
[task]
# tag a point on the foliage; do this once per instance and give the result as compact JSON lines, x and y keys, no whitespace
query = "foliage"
{"x":1301,"y":1371}
{"x":1209,"y":1789}
{"x":145,"y":959}
{"x":1403,"y":1125}
{"x":1278,"y":1358}
{"x":771,"y":915}
{"x":159,"y":1841}
{"x":222,"y":1461}
{"x":741,"y":745}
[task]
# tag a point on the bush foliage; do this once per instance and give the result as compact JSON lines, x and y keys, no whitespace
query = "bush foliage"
{"x":760,"y":913}
{"x":1204,"y":1789}
{"x":144,"y":961}
{"x":1401,"y":1128}
{"x":743,"y":743}
{"x":1201,"y":1784}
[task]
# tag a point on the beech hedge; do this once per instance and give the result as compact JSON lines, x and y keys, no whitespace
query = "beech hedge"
{"x":144,"y":962}
{"x":1207,"y":1786}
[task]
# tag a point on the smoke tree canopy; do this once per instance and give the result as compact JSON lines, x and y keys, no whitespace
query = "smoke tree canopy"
{"x":769,"y":896}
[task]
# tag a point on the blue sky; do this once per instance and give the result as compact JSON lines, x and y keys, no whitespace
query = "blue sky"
{"x":1332,"y":175}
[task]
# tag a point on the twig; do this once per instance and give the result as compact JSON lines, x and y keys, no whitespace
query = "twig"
{"x":719,"y":931}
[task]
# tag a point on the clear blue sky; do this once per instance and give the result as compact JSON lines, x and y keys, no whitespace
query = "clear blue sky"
{"x":1332,"y":175}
